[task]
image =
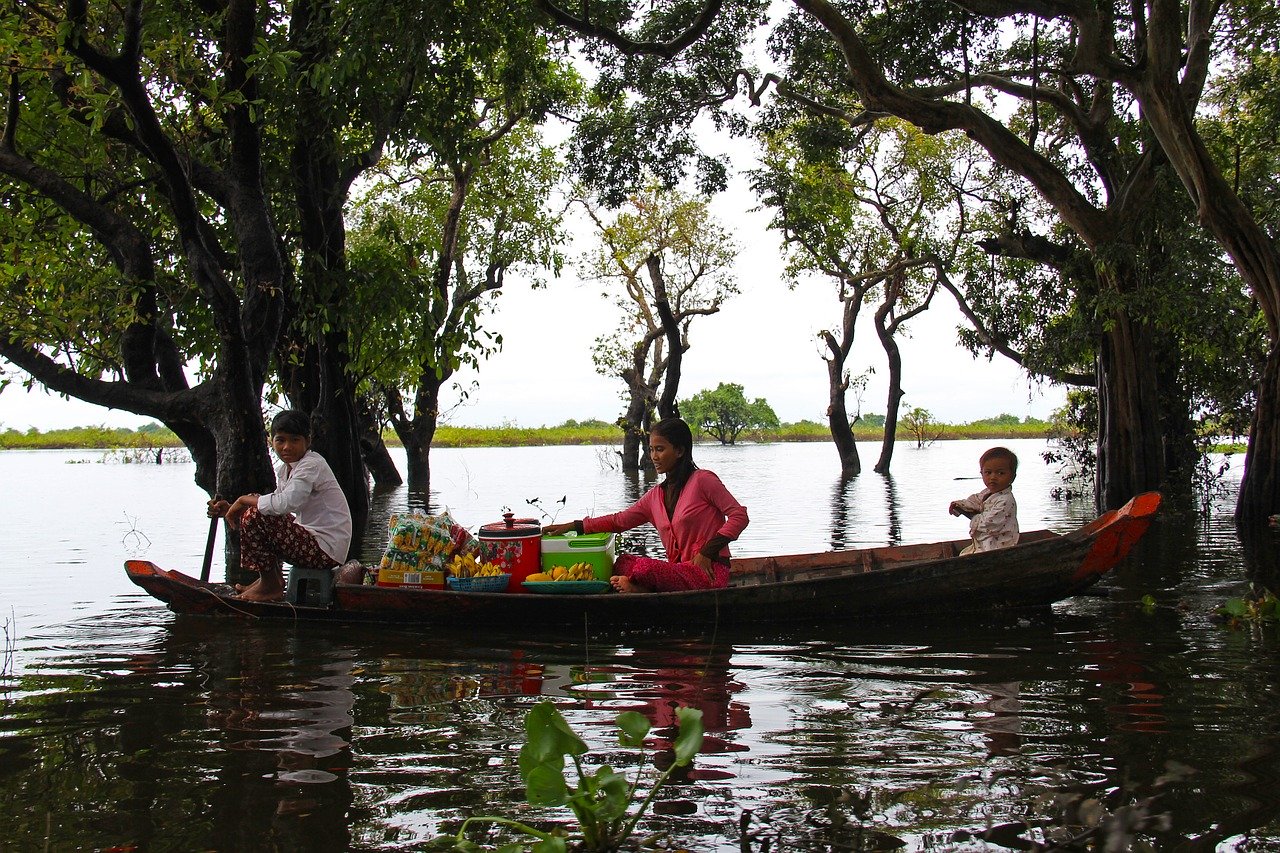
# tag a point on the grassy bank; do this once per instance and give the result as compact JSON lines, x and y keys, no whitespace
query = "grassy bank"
{"x":570,"y":432}
{"x":89,"y":438}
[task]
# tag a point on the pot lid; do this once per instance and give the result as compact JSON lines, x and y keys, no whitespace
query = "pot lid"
{"x":511,"y":527}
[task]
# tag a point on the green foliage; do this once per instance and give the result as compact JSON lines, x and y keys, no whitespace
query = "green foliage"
{"x":411,"y":316}
{"x":725,"y":413}
{"x":1259,"y":606}
{"x":148,"y":437}
{"x":641,"y":123}
{"x":921,"y":426}
{"x":1073,"y":436}
{"x":696,"y":253}
{"x":601,"y":800}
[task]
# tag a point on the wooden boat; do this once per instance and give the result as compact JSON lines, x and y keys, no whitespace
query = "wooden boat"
{"x":1042,"y":568}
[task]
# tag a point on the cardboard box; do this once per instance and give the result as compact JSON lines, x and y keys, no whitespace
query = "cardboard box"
{"x":593,"y":548}
{"x":411,"y":579}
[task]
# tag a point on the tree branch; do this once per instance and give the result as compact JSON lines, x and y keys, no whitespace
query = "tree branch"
{"x":997,"y":344}
{"x":162,"y":405}
{"x":629,"y":47}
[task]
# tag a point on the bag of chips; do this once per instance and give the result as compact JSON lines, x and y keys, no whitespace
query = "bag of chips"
{"x":426,"y":542}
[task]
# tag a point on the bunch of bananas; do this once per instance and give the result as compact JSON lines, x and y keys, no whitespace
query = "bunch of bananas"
{"x":467,"y":566}
{"x":576,"y":572}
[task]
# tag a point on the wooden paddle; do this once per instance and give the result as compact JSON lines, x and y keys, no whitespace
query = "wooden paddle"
{"x":208,"y":546}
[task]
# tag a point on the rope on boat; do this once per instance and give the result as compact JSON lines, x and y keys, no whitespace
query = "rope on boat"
{"x":225,"y":600}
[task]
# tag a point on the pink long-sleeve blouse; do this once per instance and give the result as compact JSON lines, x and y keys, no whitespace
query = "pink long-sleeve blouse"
{"x":704,"y":510}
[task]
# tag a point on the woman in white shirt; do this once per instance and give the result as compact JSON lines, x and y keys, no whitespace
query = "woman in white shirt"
{"x":305,"y":522}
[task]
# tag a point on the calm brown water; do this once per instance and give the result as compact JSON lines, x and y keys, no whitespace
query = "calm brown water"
{"x":125,"y":727}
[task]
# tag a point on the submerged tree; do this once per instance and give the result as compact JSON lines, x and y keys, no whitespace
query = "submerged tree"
{"x":880,"y":211}
{"x":663,"y":262}
{"x":200,"y":158}
{"x":724,"y":413}
{"x":432,"y":248}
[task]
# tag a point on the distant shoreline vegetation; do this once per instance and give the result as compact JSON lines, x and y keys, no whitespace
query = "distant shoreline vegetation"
{"x":869,"y":428}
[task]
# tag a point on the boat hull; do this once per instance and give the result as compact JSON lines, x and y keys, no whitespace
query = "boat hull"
{"x":890,"y":581}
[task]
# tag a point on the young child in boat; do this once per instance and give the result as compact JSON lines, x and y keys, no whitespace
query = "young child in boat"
{"x":992,"y":512}
{"x":305,"y":521}
{"x":695,"y":516}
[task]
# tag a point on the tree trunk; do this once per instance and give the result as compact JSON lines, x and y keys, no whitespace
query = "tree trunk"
{"x":894,"y":357}
{"x":642,"y":396}
{"x":417,"y":461}
{"x":1259,"y":490}
{"x":321,"y":387}
{"x":1130,"y":438}
{"x":1172,"y":120}
{"x":838,"y":412}
{"x":635,"y":427}
{"x":377,"y":459}
{"x":416,"y":432}
{"x":667,"y":405}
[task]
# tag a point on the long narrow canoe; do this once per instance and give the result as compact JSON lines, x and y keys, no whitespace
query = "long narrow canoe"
{"x":934,"y":578}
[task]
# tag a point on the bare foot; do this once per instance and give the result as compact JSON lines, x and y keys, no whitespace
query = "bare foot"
{"x":262,"y":593}
{"x":265,"y":588}
{"x":622,"y":583}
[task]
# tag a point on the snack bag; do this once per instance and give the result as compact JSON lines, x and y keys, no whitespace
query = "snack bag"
{"x":463,"y":541}
{"x":433,"y":539}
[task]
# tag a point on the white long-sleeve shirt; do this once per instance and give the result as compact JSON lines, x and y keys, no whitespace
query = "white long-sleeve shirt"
{"x":995,"y":520}
{"x":309,"y":490}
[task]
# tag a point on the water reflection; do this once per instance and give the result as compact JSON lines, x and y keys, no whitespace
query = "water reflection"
{"x":891,"y":503}
{"x":285,"y":713}
{"x":841,"y":511}
{"x":849,"y":529}
{"x":126,"y":726}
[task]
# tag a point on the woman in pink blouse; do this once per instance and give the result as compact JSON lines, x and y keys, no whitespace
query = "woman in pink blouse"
{"x":694,"y":514}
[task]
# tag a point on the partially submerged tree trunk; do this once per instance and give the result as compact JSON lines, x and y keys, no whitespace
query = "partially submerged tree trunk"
{"x":220,"y":419}
{"x":1130,"y":434}
{"x":893,"y":405}
{"x":322,"y":387}
{"x":417,"y":429}
{"x":887,"y":322}
{"x":838,"y":422}
{"x":641,"y":400}
{"x":377,"y":459}
{"x":1167,"y":86}
{"x":667,"y":407}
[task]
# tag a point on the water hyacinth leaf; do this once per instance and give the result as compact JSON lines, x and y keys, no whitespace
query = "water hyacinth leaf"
{"x":554,"y":844}
{"x":616,"y":791}
{"x":549,"y":738}
{"x":1235,"y":607}
{"x":545,"y":786}
{"x":633,"y":726}
{"x":689,"y":740}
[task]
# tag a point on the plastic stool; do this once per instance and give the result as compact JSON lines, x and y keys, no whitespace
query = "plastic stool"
{"x":310,"y":587}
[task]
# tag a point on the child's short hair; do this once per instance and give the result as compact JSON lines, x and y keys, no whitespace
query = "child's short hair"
{"x":1000,"y":453}
{"x":292,"y":422}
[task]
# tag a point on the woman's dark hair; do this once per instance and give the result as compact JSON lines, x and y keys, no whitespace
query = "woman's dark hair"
{"x":677,"y":432}
{"x":292,"y":422}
